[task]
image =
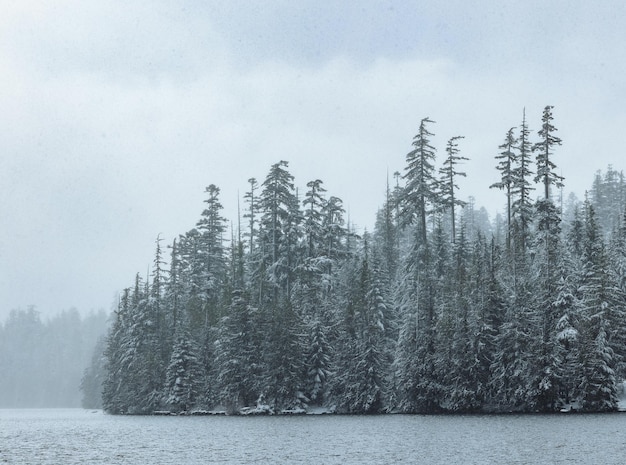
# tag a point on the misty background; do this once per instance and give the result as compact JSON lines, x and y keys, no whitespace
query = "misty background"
{"x":42,"y":360}
{"x":116,"y":116}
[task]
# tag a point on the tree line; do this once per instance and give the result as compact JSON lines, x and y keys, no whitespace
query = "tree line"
{"x":435,"y":310}
{"x":42,"y":362}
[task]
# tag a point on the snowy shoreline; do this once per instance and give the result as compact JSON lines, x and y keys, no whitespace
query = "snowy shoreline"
{"x":316,"y":412}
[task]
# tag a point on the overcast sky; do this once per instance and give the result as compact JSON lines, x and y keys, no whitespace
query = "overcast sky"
{"x":115,"y":116}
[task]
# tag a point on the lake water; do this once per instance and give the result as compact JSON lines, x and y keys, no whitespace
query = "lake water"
{"x":74,"y":436}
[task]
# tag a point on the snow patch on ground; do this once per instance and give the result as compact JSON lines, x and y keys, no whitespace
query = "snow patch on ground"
{"x":320,"y":410}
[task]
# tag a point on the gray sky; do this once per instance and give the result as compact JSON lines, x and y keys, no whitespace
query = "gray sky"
{"x":116,"y":115}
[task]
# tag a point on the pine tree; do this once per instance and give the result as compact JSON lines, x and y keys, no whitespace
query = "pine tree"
{"x":174,"y":292}
{"x":284,"y":354}
{"x":212,"y":257}
{"x":239,"y":360}
{"x":506,"y":165}
{"x":512,"y":363}
{"x":608,"y":197}
{"x":617,"y":263}
{"x":421,"y":183}
{"x":387,"y":234}
{"x":449,"y":173}
{"x":599,"y":384}
{"x":276,"y":204}
{"x":599,"y":321}
{"x":361,"y":384}
{"x":115,"y":385}
{"x":521,"y":207}
{"x":544,"y":149}
{"x":313,"y":211}
{"x":491,"y":313}
{"x":158,"y":307}
{"x":93,"y":378}
{"x":462,"y":379}
{"x":548,"y":272}
{"x":318,"y":359}
{"x":279,"y":255}
{"x":416,"y":373}
{"x":183,"y":380}
{"x":335,"y":237}
{"x":145,"y":362}
{"x":567,"y":308}
{"x":134,"y":380}
{"x":252,"y":201}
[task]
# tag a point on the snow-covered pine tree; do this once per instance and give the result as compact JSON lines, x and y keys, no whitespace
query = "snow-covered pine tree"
{"x":93,"y":378}
{"x":144,"y":363}
{"x":512,"y":362}
{"x":212,"y":257}
{"x":617,"y":262}
{"x":239,"y":360}
{"x":284,"y":378}
{"x":416,"y":377}
{"x":276,"y":258}
{"x":420,"y":189}
{"x":158,"y":305}
{"x":362,"y":375}
{"x":545,"y":150}
{"x":462,"y":383}
{"x":608,"y":197}
{"x":548,"y":270}
{"x":133,"y":383}
{"x":491,"y":306}
{"x":270,"y":276}
{"x":521,"y":207}
{"x":599,"y":383}
{"x":448,"y":196}
{"x":252,"y":200}
{"x":313,"y":216}
{"x":319,"y":355}
{"x":600,"y":314}
{"x":507,"y":163}
{"x":115,"y":384}
{"x":335,"y":239}
{"x":567,"y":350}
{"x":173,"y":293}
{"x":184,"y":375}
{"x":386,"y":233}
{"x":416,"y":374}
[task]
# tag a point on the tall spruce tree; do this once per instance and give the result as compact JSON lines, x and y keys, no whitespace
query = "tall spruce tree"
{"x":599,"y":384}
{"x":252,"y":200}
{"x":212,"y":227}
{"x":448,"y":195}
{"x":507,"y":163}
{"x":522,"y":208}
{"x":548,"y":270}
{"x":239,"y":361}
{"x":545,"y":149}
{"x":183,"y":379}
{"x":276,"y":204}
{"x":421,"y":183}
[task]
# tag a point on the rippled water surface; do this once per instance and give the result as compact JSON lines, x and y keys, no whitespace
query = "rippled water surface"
{"x":76,"y":436}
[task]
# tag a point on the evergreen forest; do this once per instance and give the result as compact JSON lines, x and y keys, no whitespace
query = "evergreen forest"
{"x":437,"y":309}
{"x":42,"y":361}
